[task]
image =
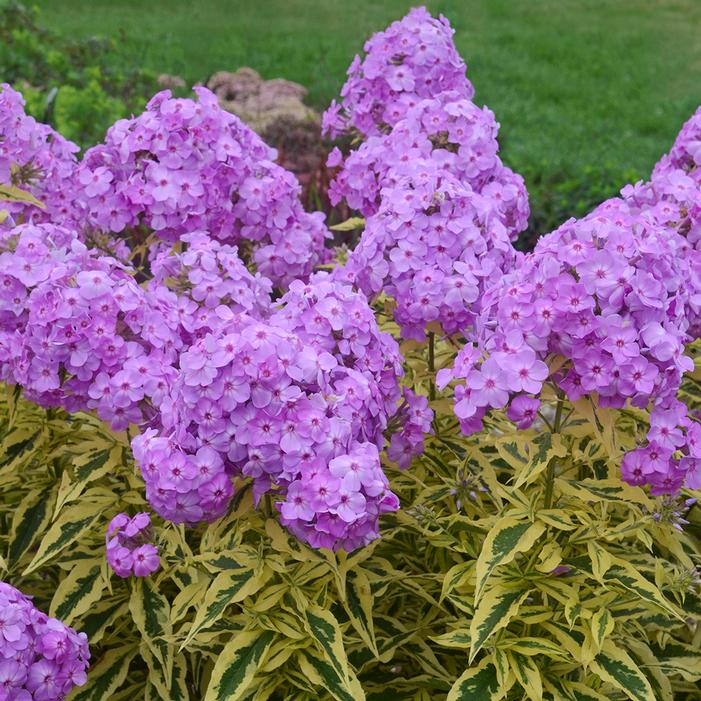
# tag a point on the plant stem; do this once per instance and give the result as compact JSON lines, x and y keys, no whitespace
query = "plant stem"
{"x":431,"y":366}
{"x":550,"y":474}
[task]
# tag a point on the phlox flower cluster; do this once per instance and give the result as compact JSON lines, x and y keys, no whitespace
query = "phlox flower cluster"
{"x":441,"y":209}
{"x":412,"y":59}
{"x":260,"y":402}
{"x":332,"y":318}
{"x":672,"y":197}
{"x":184,"y":166}
{"x":685,"y":154}
{"x":610,"y":295}
{"x":36,"y":158}
{"x":445,"y":131}
{"x":414,"y":419}
{"x":41,"y":659}
{"x":672,"y":456}
{"x":433,"y":246}
{"x":77,"y":331}
{"x":200,"y":287}
{"x":128,"y":546}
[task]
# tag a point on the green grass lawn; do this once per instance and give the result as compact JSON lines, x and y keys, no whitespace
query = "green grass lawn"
{"x":575,"y":84}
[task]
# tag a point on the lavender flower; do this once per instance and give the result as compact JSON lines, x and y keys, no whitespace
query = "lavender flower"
{"x":40,"y":657}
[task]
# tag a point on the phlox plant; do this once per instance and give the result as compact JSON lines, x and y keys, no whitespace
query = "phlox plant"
{"x":238,"y":465}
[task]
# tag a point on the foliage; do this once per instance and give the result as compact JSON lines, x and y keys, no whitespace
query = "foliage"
{"x":80,"y":86}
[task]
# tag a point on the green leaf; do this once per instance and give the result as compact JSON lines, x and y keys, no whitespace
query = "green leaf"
{"x":349,"y":224}
{"x":505,"y":677}
{"x":614,"y":665}
{"x":227,"y":588}
{"x":173,"y":688}
{"x":101,"y":615}
{"x":89,"y":466}
{"x":10,"y":193}
{"x":236,"y":666}
{"x":645,"y":659}
{"x":513,"y":450}
{"x":186,"y":598}
{"x":602,"y":624}
{"x":78,"y":591}
{"x":323,"y":673}
{"x":580,"y":692}
{"x":455,"y":576}
{"x":550,"y":557}
{"x":30,"y":519}
{"x":106,"y":676}
{"x":70,"y":525}
{"x":391,"y":635}
{"x":459,"y":638}
{"x":508,"y":537}
{"x":323,"y":627}
{"x":359,"y":604}
{"x":18,"y":444}
{"x":494,"y":611}
{"x":613,"y":490}
{"x":601,"y":560}
{"x":533,"y":646}
{"x":283,"y":542}
{"x":571,"y":640}
{"x":573,"y":608}
{"x":544,"y":448}
{"x":280,"y":652}
{"x":623,"y":573}
{"x":150,"y":611}
{"x":527,"y":675}
{"x":677,"y":658}
{"x":557,"y":518}
{"x":476,"y":684}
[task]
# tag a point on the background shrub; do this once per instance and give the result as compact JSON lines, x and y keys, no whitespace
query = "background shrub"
{"x":80,"y":86}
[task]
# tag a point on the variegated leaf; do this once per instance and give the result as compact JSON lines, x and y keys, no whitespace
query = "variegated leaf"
{"x":236,"y":666}
{"x":494,"y":611}
{"x":615,"y":666}
{"x":507,"y":537}
{"x":475,"y":683}
{"x":78,"y":591}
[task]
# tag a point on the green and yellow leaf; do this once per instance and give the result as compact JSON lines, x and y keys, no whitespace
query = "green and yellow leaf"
{"x":322,"y":672}
{"x":615,"y":666}
{"x":78,"y":591}
{"x":106,"y":676}
{"x":29,"y":520}
{"x":150,"y":612}
{"x":227,"y":588}
{"x":527,"y":675}
{"x":73,"y":523}
{"x":235,"y":669}
{"x":323,"y":627}
{"x":494,"y":612}
{"x":506,"y":539}
{"x":478,"y":682}
{"x":358,"y":603}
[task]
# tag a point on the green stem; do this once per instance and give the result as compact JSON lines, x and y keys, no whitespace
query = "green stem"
{"x":431,"y":366}
{"x":550,"y":474}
